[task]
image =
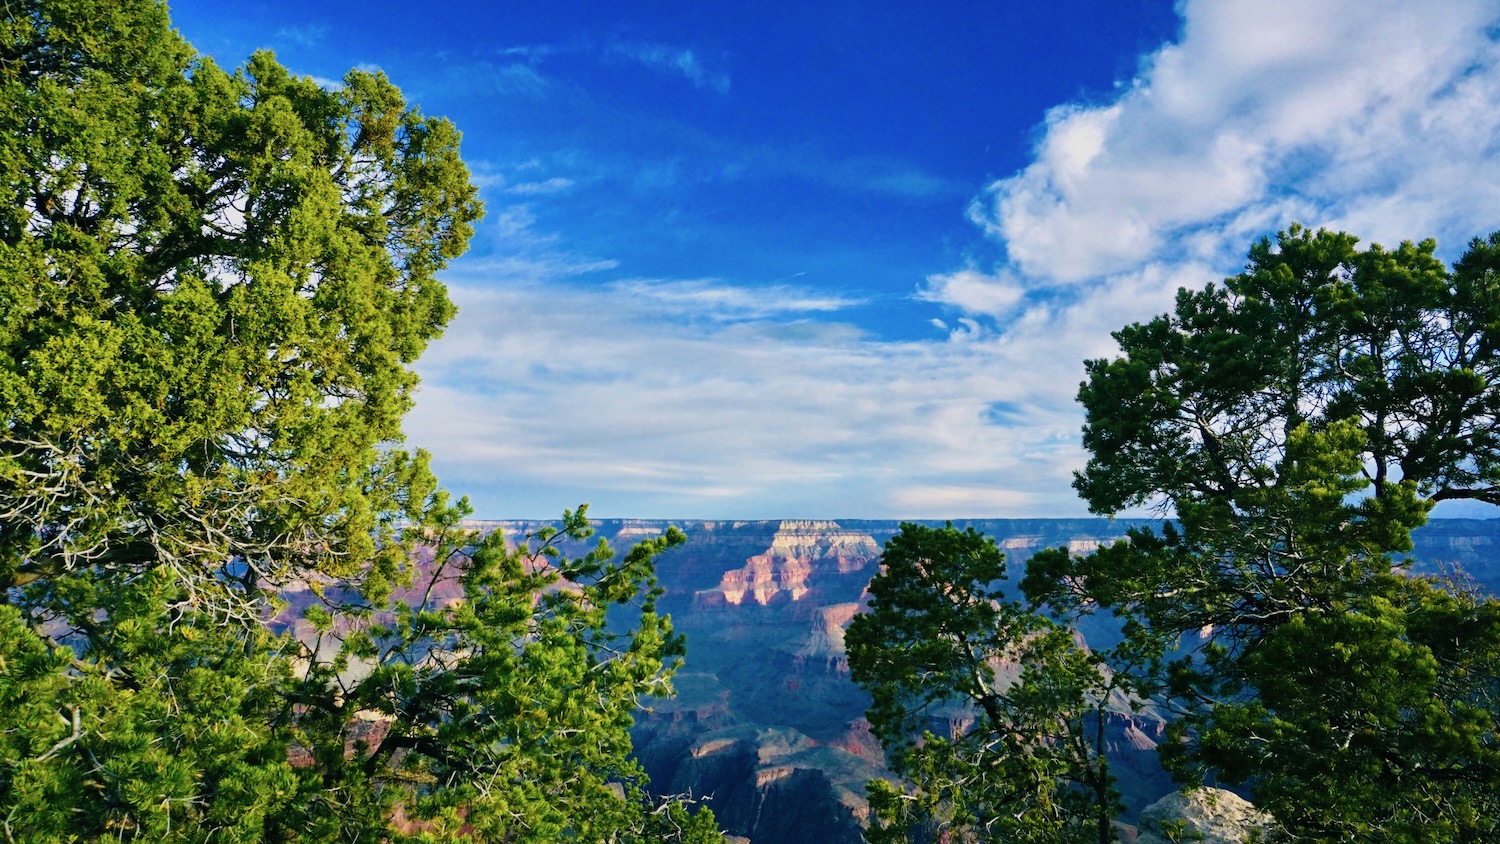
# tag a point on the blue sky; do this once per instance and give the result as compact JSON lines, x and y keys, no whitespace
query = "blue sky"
{"x":838,"y":259}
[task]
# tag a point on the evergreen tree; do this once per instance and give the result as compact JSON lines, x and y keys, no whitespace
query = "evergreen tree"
{"x":943,"y":644}
{"x":212,"y":287}
{"x":1299,"y":421}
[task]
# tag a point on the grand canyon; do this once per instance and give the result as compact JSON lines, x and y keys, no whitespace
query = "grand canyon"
{"x":766,"y":724}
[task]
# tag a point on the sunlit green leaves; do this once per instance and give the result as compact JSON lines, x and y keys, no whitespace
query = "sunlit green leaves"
{"x":213,"y":285}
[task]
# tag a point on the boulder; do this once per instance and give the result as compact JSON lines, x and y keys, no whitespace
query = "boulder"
{"x":1206,"y":815}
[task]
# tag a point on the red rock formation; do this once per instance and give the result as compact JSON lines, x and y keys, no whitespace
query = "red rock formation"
{"x":798,"y":550}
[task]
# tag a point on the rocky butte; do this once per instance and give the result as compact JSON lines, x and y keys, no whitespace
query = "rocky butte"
{"x":767,"y":724}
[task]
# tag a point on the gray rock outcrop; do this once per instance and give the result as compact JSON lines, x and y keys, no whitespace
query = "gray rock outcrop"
{"x":1205,"y":815}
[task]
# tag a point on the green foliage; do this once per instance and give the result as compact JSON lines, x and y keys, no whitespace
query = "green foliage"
{"x":164,"y":731}
{"x":503,"y":715}
{"x":942,"y":643}
{"x":212,"y":286}
{"x":1301,"y":420}
{"x":1383,"y":689}
{"x":1202,"y":404}
{"x":500,"y":716}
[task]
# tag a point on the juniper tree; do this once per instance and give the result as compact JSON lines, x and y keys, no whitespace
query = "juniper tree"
{"x":1299,"y":421}
{"x":213,"y":285}
{"x":942,"y":643}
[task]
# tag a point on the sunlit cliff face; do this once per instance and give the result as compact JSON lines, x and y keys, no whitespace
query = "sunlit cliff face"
{"x":797,"y":550}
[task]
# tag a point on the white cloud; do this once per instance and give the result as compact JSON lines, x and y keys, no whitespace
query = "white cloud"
{"x":550,"y":391}
{"x":674,"y":60}
{"x":517,"y":223}
{"x":974,"y":292}
{"x":483,"y":176}
{"x":1380,"y":118}
{"x":713,"y":299}
{"x":697,"y":398}
{"x":545,"y":394}
{"x":530,"y":52}
{"x":875,"y":175}
{"x":310,"y":35}
{"x":487,"y":79}
{"x":484,"y":78}
{"x":1327,"y":110}
{"x":556,"y":184}
{"x":327,"y":84}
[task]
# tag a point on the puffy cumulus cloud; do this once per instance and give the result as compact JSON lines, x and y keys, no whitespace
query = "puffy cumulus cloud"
{"x":974,"y":292}
{"x":1379,"y":116}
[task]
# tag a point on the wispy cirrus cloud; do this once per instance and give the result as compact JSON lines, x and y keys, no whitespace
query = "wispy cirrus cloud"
{"x":529,"y":52}
{"x":673,"y":397}
{"x":307,"y":35}
{"x":546,"y":394}
{"x":511,"y":79}
{"x":676,"y":60}
{"x":485,"y":77}
{"x":556,"y":184}
{"x":714,"y":299}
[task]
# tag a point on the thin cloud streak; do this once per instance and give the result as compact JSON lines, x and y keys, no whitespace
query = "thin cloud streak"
{"x":677,"y":60}
{"x":546,"y":187}
{"x":664,"y":58}
{"x":714,"y":299}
